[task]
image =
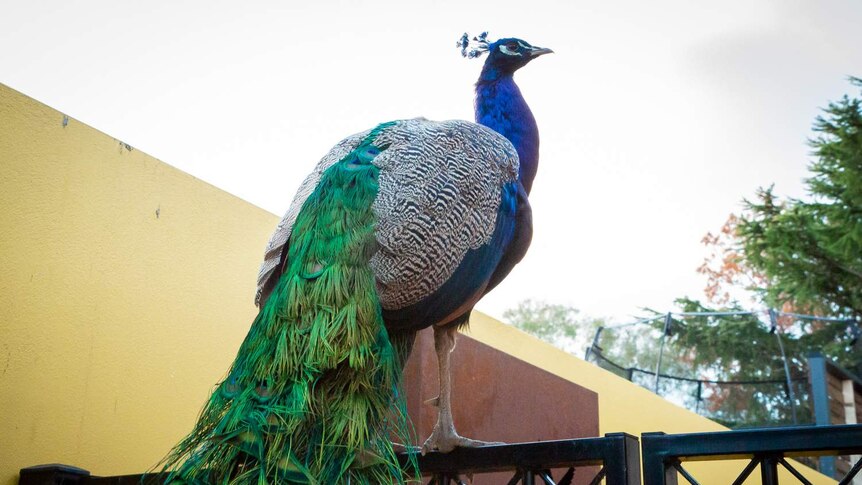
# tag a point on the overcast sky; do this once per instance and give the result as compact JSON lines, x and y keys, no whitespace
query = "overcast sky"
{"x":656,"y":118}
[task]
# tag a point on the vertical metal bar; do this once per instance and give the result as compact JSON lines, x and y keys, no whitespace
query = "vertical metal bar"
{"x":622,"y":462}
{"x":656,"y":467}
{"x":773,"y":320}
{"x":769,"y":470}
{"x":820,"y":398}
{"x":670,"y":474}
{"x":699,"y":397}
{"x":667,"y":320}
{"x":633,"y":460}
{"x":528,"y":478}
{"x":595,"y":344}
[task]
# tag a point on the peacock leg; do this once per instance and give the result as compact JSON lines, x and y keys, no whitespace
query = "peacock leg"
{"x":444,"y":438}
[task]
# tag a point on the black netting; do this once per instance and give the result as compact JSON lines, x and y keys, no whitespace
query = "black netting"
{"x":732,"y":368}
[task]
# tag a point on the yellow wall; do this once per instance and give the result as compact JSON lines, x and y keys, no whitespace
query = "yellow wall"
{"x":115,"y":321}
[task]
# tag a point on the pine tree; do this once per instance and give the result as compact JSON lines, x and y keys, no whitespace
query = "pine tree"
{"x":811,"y":250}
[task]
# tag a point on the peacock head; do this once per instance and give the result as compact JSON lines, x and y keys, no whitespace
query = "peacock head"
{"x":505,"y":56}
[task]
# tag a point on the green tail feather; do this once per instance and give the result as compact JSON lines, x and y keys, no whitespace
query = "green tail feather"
{"x":312,"y":396}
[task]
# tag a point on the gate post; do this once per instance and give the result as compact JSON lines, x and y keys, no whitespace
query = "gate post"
{"x":656,"y":469}
{"x":769,"y":470}
{"x":820,"y":397}
{"x":622,"y":464}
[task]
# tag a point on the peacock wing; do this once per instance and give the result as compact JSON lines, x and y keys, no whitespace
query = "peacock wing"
{"x":440,"y":190}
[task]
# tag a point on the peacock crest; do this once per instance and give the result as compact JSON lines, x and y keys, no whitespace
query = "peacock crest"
{"x":474,"y":48}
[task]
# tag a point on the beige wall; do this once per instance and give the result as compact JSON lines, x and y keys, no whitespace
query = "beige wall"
{"x":126,"y":286}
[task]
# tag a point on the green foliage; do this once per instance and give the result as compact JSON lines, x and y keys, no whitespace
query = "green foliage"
{"x":800,"y":255}
{"x":557,"y":324}
{"x":744,"y":347}
{"x":811,"y":250}
{"x":804,"y":256}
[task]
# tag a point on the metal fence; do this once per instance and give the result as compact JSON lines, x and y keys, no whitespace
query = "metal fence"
{"x":664,"y":455}
{"x":617,"y":456}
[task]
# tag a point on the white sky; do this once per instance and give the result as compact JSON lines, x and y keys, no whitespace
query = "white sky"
{"x":657,"y":117}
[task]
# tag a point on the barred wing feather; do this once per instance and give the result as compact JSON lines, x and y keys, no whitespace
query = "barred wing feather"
{"x":439,"y":192}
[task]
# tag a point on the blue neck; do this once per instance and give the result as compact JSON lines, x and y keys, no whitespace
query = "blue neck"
{"x":501,"y":107}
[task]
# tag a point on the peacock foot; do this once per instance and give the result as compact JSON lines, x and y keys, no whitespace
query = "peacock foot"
{"x":402,"y":448}
{"x":446,"y":439}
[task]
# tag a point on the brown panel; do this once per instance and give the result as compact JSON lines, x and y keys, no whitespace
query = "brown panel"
{"x":496,"y":397}
{"x":834,"y":386}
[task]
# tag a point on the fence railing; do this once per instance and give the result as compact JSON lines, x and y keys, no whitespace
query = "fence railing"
{"x":664,"y":455}
{"x":617,"y":455}
{"x":57,"y":474}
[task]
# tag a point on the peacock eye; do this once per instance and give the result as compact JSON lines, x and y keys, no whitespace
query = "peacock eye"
{"x":510,"y":48}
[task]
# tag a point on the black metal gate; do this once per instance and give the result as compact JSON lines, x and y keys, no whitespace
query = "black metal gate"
{"x":617,"y":457}
{"x":664,"y":455}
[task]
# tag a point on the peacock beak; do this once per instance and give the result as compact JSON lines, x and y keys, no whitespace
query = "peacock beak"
{"x":538,"y":51}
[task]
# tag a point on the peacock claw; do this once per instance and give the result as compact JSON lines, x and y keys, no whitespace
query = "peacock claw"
{"x":402,"y":448}
{"x":444,"y":442}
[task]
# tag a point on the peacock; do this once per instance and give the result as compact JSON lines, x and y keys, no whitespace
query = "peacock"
{"x":398,"y":228}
